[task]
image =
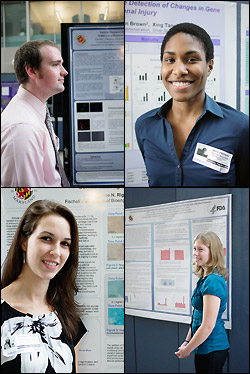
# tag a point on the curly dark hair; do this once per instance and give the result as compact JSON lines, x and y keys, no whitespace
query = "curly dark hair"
{"x":196,"y":31}
{"x":29,"y":54}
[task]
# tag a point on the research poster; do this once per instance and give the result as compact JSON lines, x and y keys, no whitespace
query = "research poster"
{"x":146,"y":23}
{"x":97,"y":104}
{"x":158,"y":255}
{"x":100,"y":280}
{"x":244,"y":94}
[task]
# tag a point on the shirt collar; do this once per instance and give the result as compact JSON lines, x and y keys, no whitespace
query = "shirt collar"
{"x":210,"y":106}
{"x":39,"y":107}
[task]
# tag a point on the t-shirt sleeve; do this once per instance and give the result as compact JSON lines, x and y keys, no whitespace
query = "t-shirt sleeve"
{"x":213,"y":286}
{"x":81,"y":331}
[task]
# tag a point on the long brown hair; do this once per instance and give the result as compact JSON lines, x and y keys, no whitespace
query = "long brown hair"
{"x":62,"y":288}
{"x":217,"y":262}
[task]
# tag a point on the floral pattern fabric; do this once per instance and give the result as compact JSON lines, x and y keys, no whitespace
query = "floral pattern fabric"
{"x":53,"y":354}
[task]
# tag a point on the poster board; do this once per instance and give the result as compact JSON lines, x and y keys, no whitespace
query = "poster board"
{"x":95,"y":56}
{"x":146,"y":24}
{"x":158,"y":255}
{"x":100,"y":280}
{"x":8,"y":91}
{"x":244,"y":32}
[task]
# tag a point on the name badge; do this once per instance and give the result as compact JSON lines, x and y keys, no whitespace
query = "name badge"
{"x":21,"y":343}
{"x":213,"y":158}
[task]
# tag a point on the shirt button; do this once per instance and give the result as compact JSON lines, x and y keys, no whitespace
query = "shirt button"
{"x":179,"y":166}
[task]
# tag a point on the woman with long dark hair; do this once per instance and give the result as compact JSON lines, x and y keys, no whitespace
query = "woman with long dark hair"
{"x":41,"y":324}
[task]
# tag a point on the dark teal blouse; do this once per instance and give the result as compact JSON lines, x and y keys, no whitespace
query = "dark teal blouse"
{"x":212,"y":284}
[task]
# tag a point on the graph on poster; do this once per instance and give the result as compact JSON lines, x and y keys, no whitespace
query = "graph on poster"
{"x":159,"y":255}
{"x":180,"y":305}
{"x":143,"y":80}
{"x":164,"y":304}
{"x":179,"y":255}
{"x":165,"y":254}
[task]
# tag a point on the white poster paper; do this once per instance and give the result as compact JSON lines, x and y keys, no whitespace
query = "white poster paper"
{"x":97,"y":88}
{"x":158,"y":255}
{"x":100,"y":280}
{"x":244,"y":61}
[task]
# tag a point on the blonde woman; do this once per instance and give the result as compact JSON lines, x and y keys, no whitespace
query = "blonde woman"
{"x":207,"y":335}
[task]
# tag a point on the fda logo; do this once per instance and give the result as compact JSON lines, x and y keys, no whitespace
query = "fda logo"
{"x":213,"y":208}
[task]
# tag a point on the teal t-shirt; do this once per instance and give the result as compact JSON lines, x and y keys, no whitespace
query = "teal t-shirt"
{"x":212,"y":284}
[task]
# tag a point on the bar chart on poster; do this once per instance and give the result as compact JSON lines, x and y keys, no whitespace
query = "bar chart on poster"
{"x":146,"y":24}
{"x":158,"y":255}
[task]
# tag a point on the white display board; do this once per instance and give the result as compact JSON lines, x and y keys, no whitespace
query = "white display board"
{"x":158,"y":255}
{"x":244,"y":89}
{"x":100,"y":217}
{"x":146,"y":23}
{"x":97,"y":103}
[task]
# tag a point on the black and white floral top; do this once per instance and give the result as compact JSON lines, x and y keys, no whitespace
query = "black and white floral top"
{"x":35,"y":343}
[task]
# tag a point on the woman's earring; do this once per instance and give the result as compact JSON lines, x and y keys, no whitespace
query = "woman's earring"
{"x":23,"y":257}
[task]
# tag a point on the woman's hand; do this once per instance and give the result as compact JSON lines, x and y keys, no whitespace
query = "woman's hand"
{"x":183,"y":344}
{"x":183,"y":351}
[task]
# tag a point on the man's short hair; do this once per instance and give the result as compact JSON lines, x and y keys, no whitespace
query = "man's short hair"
{"x":29,"y":54}
{"x":196,"y":31}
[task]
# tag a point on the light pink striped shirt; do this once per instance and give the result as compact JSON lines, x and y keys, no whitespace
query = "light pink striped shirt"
{"x":27,"y":154}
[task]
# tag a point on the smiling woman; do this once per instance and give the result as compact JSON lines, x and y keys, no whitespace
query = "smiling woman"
{"x":41,"y":320}
{"x":170,"y":137}
{"x":49,"y":244}
{"x":207,"y":335}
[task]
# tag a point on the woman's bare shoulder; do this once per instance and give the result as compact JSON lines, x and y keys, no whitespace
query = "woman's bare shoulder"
{"x":11,"y":296}
{"x":7,"y":292}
